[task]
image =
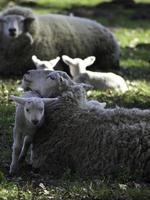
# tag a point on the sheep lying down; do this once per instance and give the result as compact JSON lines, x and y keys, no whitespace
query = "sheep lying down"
{"x":92,"y":143}
{"x":24,"y":33}
{"x":89,"y":141}
{"x":29,"y":117}
{"x":57,"y":83}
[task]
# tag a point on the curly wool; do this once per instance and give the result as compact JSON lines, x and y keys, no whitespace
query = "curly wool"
{"x":93,"y":143}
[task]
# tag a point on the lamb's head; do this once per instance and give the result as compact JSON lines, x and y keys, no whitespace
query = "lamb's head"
{"x":15,"y":22}
{"x":33,"y":108}
{"x":45,"y":65}
{"x":78,"y":66}
{"x":80,"y":91}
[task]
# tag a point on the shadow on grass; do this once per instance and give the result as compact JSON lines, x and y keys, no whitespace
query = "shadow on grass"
{"x":135,"y":62}
{"x":113,"y":14}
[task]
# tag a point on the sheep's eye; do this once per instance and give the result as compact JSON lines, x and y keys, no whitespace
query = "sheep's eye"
{"x":27,"y":109}
{"x":41,"y":110}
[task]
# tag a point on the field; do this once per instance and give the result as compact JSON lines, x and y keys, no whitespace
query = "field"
{"x":130,"y":25}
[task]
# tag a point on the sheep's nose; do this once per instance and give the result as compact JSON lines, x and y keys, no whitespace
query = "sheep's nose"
{"x":35,"y":122}
{"x":12,"y":31}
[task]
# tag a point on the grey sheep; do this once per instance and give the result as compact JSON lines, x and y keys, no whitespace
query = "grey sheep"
{"x":29,"y":117}
{"x":23,"y":34}
{"x":44,"y":84}
{"x":57,"y":83}
{"x":77,"y":90}
{"x":90,"y":143}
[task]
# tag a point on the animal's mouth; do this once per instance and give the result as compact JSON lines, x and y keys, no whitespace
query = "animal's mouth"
{"x":26,"y":78}
{"x":13,"y":35}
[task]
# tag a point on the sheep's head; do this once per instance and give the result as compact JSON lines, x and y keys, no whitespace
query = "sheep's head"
{"x":18,"y":21}
{"x":43,"y":82}
{"x":38,"y":80}
{"x":78,"y":66}
{"x":33,"y":108}
{"x":14,"y":25}
{"x":44,"y":64}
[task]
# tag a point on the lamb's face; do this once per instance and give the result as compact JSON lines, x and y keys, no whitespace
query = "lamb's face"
{"x":33,"y":108}
{"x":34,"y":111}
{"x":78,"y":66}
{"x":13,"y":25}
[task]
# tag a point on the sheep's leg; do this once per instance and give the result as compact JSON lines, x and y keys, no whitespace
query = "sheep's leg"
{"x":16,"y":151}
{"x":26,"y":144}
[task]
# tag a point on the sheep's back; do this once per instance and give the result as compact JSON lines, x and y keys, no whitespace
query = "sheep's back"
{"x":93,"y":143}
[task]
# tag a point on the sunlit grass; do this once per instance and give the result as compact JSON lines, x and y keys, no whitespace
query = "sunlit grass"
{"x":135,"y":68}
{"x":68,"y":3}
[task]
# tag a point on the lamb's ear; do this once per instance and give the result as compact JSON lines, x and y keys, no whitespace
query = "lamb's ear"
{"x":69,"y":61}
{"x":1,"y":18}
{"x":89,"y":60}
{"x":48,"y":100}
{"x":36,"y":61}
{"x":87,"y":87}
{"x":52,"y":63}
{"x":19,"y":100}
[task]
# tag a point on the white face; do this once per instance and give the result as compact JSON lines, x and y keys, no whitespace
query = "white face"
{"x":34,"y":111}
{"x":77,"y":65}
{"x":13,"y":25}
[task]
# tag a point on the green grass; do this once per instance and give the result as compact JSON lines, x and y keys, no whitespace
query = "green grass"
{"x":133,"y":37}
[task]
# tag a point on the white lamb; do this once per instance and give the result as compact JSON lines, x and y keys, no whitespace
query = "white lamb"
{"x":29,"y":117}
{"x":99,"y":80}
{"x":45,"y":64}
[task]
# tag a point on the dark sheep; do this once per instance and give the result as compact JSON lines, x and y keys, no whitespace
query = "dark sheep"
{"x":93,"y":143}
{"x":23,"y":34}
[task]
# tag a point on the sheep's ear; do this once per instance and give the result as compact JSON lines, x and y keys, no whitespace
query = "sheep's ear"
{"x":52,"y":63}
{"x":48,"y":100}
{"x":69,"y":61}
{"x":29,"y":19}
{"x":87,"y":87}
{"x":89,"y":60}
{"x":19,"y":100}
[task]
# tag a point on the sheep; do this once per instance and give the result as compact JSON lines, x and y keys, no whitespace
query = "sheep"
{"x":57,"y":83}
{"x":91,"y":143}
{"x":44,"y":64}
{"x":29,"y":117}
{"x":42,"y":83}
{"x":78,"y":91}
{"x":100,"y":80}
{"x":23,"y":34}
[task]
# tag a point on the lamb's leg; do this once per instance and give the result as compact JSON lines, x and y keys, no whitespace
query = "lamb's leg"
{"x":16,"y":151}
{"x":31,"y":155}
{"x":26,"y":144}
